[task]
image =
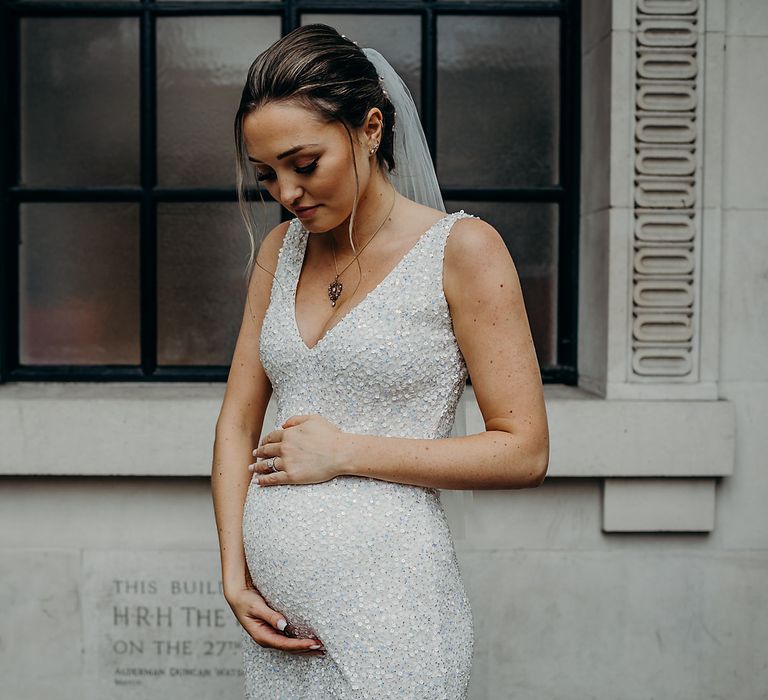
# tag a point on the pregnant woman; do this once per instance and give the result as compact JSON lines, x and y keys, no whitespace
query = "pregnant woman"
{"x":365,"y":314}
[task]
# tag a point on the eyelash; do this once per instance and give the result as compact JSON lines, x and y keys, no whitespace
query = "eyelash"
{"x":306,"y":170}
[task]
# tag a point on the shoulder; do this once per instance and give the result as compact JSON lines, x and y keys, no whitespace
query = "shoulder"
{"x":269,"y":250}
{"x":475,"y":252}
{"x":265,"y":266}
{"x":271,"y":244}
{"x":472,"y":245}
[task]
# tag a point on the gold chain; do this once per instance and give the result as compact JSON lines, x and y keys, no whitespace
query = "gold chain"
{"x":335,"y":288}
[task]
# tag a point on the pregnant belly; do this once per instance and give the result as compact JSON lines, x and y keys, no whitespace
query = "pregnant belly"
{"x":311,"y":524}
{"x":303,"y":541}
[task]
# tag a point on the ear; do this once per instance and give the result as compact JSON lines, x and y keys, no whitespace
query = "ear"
{"x":373,"y":126}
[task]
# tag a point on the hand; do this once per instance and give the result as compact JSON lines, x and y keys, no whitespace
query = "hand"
{"x":307,"y":449}
{"x":261,"y":623}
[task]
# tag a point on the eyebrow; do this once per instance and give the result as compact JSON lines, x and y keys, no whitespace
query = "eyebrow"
{"x":287,"y":153}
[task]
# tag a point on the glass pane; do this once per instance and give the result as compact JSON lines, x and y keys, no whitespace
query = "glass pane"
{"x":202,"y":253}
{"x":396,"y":37}
{"x":33,"y":1}
{"x":498,"y":105}
{"x":79,"y":101}
{"x":530,"y":232}
{"x":202,"y":64}
{"x":79,"y":284}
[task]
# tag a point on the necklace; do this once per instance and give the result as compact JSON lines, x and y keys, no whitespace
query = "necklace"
{"x":335,"y":288}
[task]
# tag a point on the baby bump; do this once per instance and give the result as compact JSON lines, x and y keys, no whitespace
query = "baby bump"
{"x":313,"y":534}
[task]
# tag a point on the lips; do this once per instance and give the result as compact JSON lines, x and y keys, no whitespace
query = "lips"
{"x":307,"y":211}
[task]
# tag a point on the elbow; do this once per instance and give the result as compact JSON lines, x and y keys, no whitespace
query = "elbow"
{"x":539,"y":477}
{"x":538,"y":469}
{"x":528,"y":463}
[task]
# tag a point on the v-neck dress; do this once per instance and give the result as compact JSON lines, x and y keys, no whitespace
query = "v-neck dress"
{"x":366,"y":565}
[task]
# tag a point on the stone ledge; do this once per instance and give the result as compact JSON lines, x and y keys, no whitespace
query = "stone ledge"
{"x":147,"y":429}
{"x":659,"y":505}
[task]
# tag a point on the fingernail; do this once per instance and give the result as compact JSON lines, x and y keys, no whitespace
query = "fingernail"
{"x":281,"y":624}
{"x":316,"y":646}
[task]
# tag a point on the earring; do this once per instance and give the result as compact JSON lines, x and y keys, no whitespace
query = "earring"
{"x":373,"y":150}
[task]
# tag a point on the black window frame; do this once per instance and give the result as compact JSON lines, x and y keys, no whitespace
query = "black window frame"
{"x":148,"y":195}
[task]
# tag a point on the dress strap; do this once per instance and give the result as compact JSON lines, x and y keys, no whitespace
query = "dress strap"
{"x":440,"y":240}
{"x":446,"y":225}
{"x":287,"y":258}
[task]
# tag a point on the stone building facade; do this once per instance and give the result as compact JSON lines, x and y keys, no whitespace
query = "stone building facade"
{"x":638,"y":570}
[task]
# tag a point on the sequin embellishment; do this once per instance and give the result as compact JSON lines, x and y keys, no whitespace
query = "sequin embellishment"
{"x":368,"y":566}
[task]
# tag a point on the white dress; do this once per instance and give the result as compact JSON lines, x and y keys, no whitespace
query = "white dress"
{"x":368,"y":566}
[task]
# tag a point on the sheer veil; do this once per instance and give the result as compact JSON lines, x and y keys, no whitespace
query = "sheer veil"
{"x":414,"y":175}
{"x":415,"y":178}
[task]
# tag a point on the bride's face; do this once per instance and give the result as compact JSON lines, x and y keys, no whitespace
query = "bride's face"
{"x":319,"y":174}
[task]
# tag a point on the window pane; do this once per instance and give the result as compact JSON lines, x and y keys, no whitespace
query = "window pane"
{"x":202,"y":64}
{"x":396,"y":37}
{"x":498,"y":106}
{"x":85,"y":1}
{"x":79,"y":101}
{"x":79,"y":284}
{"x":256,"y":1}
{"x":202,"y":253}
{"x":530,"y":232}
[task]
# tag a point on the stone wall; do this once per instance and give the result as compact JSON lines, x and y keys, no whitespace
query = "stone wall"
{"x":637,"y":570}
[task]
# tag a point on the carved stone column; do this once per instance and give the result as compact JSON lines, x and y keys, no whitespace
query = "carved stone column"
{"x":649,"y":282}
{"x":666,"y":240}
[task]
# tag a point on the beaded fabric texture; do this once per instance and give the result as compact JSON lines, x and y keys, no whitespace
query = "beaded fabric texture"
{"x":368,"y":566}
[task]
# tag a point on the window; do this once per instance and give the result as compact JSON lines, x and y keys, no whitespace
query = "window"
{"x":124,"y":250}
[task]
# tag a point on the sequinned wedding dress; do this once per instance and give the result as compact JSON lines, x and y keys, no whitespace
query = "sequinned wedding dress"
{"x":368,"y":566}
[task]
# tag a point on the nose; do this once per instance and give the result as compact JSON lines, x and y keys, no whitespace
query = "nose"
{"x":290,"y":193}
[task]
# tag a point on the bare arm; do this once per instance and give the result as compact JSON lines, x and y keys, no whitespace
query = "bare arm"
{"x":240,"y":420}
{"x":491,"y":326}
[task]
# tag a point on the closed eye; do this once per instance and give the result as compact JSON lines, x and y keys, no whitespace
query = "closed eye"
{"x":306,"y":170}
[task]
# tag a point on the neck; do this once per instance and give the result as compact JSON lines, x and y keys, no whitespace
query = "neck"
{"x":372,"y":209}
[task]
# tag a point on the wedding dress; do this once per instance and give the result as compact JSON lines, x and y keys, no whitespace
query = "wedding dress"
{"x":366,"y":565}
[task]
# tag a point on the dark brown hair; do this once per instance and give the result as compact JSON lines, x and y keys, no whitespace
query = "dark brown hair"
{"x":317,"y":68}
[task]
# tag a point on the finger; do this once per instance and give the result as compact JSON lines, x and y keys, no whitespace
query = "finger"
{"x":295,"y":420}
{"x":256,"y":468}
{"x":271,"y":439}
{"x":273,"y":479}
{"x":271,"y":629}
{"x":272,"y":620}
{"x":263,"y":466}
{"x":316,"y":648}
{"x":265,"y":635}
{"x":296,"y":644}
{"x":271,"y":449}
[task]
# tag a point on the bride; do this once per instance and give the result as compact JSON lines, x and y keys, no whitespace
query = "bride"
{"x":364,"y":316}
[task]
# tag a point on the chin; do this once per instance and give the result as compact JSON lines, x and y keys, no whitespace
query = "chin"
{"x":319,"y":223}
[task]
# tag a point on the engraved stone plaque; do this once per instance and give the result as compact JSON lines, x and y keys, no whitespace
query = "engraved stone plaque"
{"x":156,"y":625}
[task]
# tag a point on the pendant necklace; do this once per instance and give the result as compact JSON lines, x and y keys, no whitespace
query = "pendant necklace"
{"x":335,"y":287}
